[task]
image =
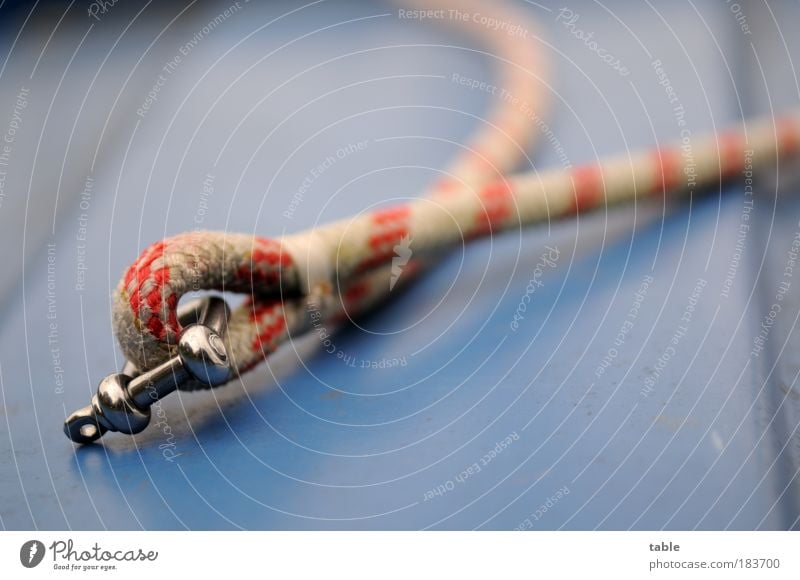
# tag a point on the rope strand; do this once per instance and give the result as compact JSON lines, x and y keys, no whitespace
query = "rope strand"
{"x":357,"y":253}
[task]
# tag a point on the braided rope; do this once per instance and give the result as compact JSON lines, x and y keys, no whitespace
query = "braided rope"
{"x":274,"y":272}
{"x":291,"y":282}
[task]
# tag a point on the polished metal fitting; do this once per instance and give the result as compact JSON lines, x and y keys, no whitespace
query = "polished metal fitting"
{"x":123,"y":400}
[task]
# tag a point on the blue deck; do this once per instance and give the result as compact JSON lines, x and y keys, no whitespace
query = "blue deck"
{"x":474,"y":424}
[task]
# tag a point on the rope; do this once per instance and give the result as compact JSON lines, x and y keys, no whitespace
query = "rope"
{"x":297,"y":283}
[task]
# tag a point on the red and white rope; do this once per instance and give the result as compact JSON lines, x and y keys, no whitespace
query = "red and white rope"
{"x":345,"y":267}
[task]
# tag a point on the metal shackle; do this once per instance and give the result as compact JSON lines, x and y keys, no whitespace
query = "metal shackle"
{"x":123,"y":400}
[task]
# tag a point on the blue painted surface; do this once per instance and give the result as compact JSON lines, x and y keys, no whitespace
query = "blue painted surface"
{"x":313,"y":440}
